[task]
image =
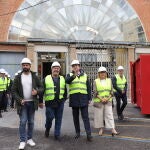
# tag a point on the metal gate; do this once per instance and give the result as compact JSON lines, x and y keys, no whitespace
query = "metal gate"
{"x":92,"y":58}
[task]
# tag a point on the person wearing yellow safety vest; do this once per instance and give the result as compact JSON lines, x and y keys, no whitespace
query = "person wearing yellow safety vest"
{"x":2,"y":90}
{"x":55,"y":94}
{"x":7,"y":91}
{"x":120,"y":88}
{"x":103,"y":91}
{"x":10,"y":82}
{"x":79,"y":97}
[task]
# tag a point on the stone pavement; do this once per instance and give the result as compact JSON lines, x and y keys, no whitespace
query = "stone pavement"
{"x":134,"y":132}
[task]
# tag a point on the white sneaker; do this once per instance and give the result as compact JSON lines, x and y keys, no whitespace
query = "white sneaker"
{"x":22,"y":145}
{"x":31,"y":142}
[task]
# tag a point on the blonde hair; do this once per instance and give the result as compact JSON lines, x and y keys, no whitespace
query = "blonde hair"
{"x":98,"y":75}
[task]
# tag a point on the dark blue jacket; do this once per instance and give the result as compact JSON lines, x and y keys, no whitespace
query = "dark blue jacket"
{"x":78,"y":99}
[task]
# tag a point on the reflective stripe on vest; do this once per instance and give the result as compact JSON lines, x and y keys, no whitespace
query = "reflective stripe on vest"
{"x":49,"y":93}
{"x":3,"y":84}
{"x":120,"y":81}
{"x":8,"y":82}
{"x":78,"y":85}
{"x":103,"y":90}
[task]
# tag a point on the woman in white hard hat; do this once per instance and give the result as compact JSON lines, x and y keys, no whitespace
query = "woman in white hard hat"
{"x":103,"y":102}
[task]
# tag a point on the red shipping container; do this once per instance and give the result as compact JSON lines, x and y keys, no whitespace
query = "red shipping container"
{"x":140,"y":83}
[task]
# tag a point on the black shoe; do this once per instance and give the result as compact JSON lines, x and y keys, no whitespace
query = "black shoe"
{"x":77,"y":136}
{"x":89,"y":138}
{"x":0,"y":115}
{"x":120,"y":117}
{"x":57,"y":138}
{"x":5,"y":110}
{"x":47,"y":133}
{"x":117,"y":133}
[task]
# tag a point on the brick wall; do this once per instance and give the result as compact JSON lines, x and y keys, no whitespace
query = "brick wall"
{"x":142,"y":7}
{"x":7,"y":6}
{"x":11,"y":47}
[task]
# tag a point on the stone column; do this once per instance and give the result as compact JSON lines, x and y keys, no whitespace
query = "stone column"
{"x":72,"y":54}
{"x":131,"y":58}
{"x":31,"y":54}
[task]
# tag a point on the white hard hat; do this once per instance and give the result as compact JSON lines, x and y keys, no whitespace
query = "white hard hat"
{"x":19,"y":71}
{"x":102,"y":69}
{"x":6,"y":73}
{"x":9,"y":76}
{"x":55,"y":64}
{"x":75,"y":62}
{"x":16,"y":74}
{"x":26,"y":61}
{"x":120,"y":68}
{"x":2,"y":70}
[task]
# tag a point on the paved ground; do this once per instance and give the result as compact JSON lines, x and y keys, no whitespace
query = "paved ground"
{"x":134,"y":132}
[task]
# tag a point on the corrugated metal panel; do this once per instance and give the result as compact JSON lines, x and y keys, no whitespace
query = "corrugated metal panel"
{"x":11,"y":61}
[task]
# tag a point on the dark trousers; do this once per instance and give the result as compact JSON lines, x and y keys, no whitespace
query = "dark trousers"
{"x":12,"y":101}
{"x":56,"y":113}
{"x":85,"y":118}
{"x":3,"y":100}
{"x":120,"y":107}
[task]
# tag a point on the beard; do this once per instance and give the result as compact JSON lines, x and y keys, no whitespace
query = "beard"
{"x":26,"y":70}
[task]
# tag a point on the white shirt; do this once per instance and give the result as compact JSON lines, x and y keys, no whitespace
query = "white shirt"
{"x":26,"y":81}
{"x":103,"y":82}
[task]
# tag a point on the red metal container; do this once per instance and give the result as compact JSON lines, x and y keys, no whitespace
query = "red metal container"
{"x":140,"y":83}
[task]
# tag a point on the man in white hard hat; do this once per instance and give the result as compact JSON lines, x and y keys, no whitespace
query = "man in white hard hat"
{"x":55,"y":94}
{"x":79,"y":97}
{"x":25,"y":89}
{"x":120,"y":89}
{"x":8,"y":84}
{"x":2,"y":90}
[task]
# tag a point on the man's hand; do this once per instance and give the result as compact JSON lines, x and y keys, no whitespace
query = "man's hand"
{"x":22,"y":102}
{"x":41,"y":105}
{"x":123,"y":91}
{"x":34,"y":92}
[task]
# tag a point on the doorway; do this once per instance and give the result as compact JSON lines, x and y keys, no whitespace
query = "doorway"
{"x":46,"y":68}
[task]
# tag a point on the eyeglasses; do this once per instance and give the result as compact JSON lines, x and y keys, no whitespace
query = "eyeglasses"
{"x":102,"y":72}
{"x":74,"y":65}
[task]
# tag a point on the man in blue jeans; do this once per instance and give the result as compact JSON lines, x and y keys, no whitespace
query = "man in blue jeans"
{"x":55,"y":94}
{"x":25,"y":89}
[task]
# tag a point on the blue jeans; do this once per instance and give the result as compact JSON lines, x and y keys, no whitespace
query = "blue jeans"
{"x":56,"y":113}
{"x":26,"y":118}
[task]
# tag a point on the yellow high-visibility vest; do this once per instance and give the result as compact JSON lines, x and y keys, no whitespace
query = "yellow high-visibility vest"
{"x":3,"y":84}
{"x":49,"y":92}
{"x":103,"y":90}
{"x":78,"y":85}
{"x":120,"y":81}
{"x":8,"y":82}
